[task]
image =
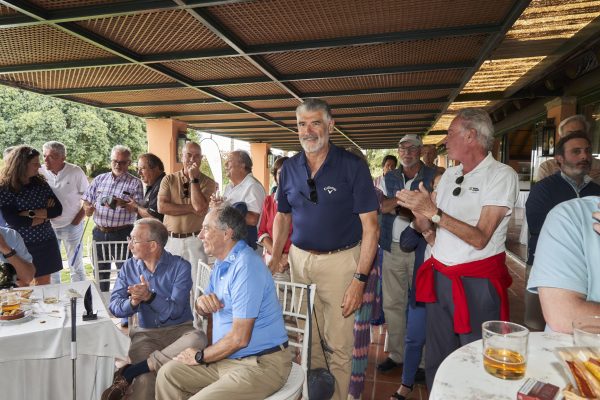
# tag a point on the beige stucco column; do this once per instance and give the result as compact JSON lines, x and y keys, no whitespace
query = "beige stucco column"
{"x":162,"y":140}
{"x":559,"y":109}
{"x":260,"y":167}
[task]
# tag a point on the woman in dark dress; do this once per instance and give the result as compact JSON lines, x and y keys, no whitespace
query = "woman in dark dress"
{"x":27,"y":203}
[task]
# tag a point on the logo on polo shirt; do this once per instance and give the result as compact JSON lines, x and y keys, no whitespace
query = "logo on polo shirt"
{"x":473,"y":189}
{"x":329,"y":189}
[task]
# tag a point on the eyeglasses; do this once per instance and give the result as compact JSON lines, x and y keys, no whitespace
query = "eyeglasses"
{"x":410,"y":149}
{"x":458,"y":181}
{"x":134,"y":241}
{"x":120,"y":163}
{"x":186,"y":190}
{"x":313,"y":196}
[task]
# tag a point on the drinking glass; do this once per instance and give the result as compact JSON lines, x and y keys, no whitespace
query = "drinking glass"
{"x":51,"y":294}
{"x":505,"y":349}
{"x":586,"y":331}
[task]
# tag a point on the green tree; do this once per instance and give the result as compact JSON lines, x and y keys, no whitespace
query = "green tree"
{"x":87,"y":128}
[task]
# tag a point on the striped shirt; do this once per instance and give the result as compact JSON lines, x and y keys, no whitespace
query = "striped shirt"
{"x":123,"y":187}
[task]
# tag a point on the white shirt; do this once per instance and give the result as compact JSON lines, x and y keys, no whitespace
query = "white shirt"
{"x":491,"y":183}
{"x":68,"y":185}
{"x":250,"y":191}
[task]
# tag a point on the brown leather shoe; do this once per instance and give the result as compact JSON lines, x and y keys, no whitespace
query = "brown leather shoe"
{"x":117,"y":390}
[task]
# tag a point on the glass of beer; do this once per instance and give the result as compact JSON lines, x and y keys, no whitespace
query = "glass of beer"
{"x":51,"y":294}
{"x":505,"y":349}
{"x":586,"y":331}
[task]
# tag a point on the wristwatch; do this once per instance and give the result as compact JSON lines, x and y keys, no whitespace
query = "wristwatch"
{"x":31,"y":213}
{"x":437,"y":217}
{"x":361,"y":277}
{"x":11,"y":253}
{"x":195,"y":180}
{"x":199,"y":357}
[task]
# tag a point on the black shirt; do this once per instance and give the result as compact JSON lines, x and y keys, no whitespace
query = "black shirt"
{"x":151,"y":198}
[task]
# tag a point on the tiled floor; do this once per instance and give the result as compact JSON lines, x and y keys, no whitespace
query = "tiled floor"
{"x":379,"y":386}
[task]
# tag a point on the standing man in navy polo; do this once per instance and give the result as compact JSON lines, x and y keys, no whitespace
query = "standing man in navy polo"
{"x":328,"y":194}
{"x":108,"y":199}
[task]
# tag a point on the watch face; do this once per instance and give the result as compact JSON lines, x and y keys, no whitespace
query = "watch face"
{"x":435,"y":219}
{"x":31,"y":213}
{"x":199,"y":356}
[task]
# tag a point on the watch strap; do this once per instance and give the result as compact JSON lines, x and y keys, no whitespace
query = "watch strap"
{"x":361,"y":277}
{"x":11,"y":253}
{"x":195,"y":180}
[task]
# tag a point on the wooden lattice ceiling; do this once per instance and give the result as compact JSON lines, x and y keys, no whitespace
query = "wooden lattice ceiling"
{"x":239,"y":68}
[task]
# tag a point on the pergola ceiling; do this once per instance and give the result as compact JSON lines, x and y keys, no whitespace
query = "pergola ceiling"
{"x":239,"y":68}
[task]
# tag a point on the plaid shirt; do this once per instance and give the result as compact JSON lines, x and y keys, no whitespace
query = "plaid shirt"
{"x":124,"y":187}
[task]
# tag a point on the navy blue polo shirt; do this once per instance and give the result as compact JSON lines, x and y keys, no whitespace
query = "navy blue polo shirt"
{"x":344,"y":190}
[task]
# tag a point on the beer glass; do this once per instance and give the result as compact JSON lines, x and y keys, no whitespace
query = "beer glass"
{"x":586,"y":331}
{"x":505,"y":349}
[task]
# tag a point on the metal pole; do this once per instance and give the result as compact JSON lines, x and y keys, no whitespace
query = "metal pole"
{"x":74,"y":344}
{"x":80,"y":242}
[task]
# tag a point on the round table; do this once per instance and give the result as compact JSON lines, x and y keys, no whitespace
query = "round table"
{"x":461,"y":375}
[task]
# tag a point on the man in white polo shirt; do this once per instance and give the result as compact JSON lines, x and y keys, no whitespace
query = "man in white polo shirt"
{"x":69,"y":183}
{"x":244,"y":188}
{"x":466,"y":280}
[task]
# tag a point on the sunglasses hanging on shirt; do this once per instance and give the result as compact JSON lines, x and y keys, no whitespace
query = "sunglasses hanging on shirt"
{"x":458,"y":181}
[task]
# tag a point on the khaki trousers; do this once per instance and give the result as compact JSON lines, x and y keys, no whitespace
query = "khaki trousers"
{"x":397,"y":272}
{"x":229,"y":379}
{"x":192,"y":250}
{"x":159,"y":346}
{"x":332,"y":273}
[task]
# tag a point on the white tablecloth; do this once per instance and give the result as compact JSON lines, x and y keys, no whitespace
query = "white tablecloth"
{"x":35,"y":356}
{"x":461,"y":375}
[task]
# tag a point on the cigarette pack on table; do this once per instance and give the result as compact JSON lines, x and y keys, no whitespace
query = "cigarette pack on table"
{"x":533,"y":389}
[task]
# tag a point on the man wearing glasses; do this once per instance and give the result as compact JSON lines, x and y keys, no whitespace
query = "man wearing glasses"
{"x":328,"y":194}
{"x":183,"y":199}
{"x":108,"y":199}
{"x":466,"y":281}
{"x":154,"y":285}
{"x":397,"y":267}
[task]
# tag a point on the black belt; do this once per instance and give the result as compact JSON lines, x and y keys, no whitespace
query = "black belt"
{"x":108,"y":229}
{"x":318,"y":252}
{"x":183,"y":235}
{"x":272,"y":350}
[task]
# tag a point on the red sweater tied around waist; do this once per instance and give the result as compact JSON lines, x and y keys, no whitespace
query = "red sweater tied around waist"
{"x":492,"y":268}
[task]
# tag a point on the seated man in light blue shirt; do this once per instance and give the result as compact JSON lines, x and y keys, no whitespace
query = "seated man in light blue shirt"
{"x":153,"y":285}
{"x":565,"y":270}
{"x":248,"y":358}
{"x":14,"y":252}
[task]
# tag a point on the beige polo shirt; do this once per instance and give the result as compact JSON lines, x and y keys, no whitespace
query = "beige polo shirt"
{"x":173,"y":186}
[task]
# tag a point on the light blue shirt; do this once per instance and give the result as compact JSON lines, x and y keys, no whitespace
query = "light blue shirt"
{"x":567,"y":255}
{"x":171,"y":281}
{"x":15,"y":241}
{"x":243,"y":283}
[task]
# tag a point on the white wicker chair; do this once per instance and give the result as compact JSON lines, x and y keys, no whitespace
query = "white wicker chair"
{"x":109,"y":252}
{"x":293,"y":298}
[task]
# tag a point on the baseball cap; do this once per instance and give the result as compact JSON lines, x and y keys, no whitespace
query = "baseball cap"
{"x":413,"y":139}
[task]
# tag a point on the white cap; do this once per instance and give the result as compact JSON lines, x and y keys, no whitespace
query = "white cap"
{"x":413,"y":139}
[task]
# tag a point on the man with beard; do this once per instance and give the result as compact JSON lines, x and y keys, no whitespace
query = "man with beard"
{"x":108,"y":200}
{"x":574,"y":123}
{"x":574,"y":157}
{"x":183,"y":199}
{"x":329,"y":195}
{"x":397,"y":266}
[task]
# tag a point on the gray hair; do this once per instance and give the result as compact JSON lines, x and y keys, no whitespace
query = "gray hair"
{"x":244,"y":159}
{"x":312,"y":104}
{"x":229,"y":217}
{"x":156,"y":230}
{"x":190,"y":143}
{"x":479,"y":120}
{"x":7,"y":151}
{"x":56,"y":147}
{"x":119,"y":148}
{"x":573,"y":118}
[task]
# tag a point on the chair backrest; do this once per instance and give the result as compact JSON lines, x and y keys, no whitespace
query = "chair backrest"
{"x":294,"y":300}
{"x":202,"y":278}
{"x":106,"y":253}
